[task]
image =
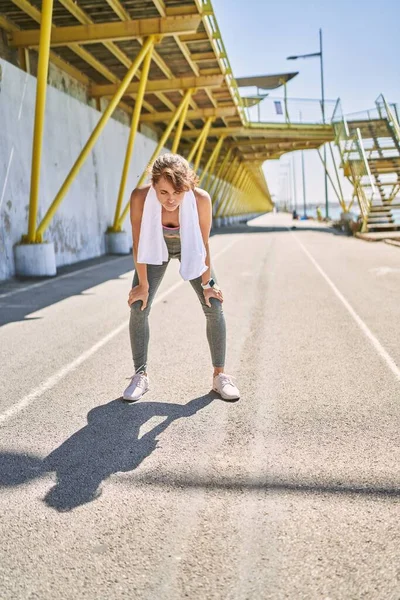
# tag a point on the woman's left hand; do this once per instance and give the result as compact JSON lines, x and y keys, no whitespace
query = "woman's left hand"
{"x":213,"y":292}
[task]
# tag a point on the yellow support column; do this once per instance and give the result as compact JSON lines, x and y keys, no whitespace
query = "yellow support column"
{"x":233,"y":198}
{"x":149,"y":43}
{"x":231,"y":170}
{"x":43,"y":65}
{"x":160,"y":144}
{"x":218,"y":178}
{"x":195,"y":146}
{"x":213,"y":158}
{"x":132,"y":135}
{"x":202,"y":144}
{"x":239,"y":186}
{"x":211,"y":170}
{"x":182,"y":118}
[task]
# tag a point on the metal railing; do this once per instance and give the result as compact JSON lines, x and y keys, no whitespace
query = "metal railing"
{"x":389,"y":112}
{"x":211,"y":26}
{"x":354,"y":163}
{"x":263,"y":108}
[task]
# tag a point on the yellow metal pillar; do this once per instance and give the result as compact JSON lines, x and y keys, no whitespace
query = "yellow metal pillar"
{"x":147,"y":46}
{"x":219,"y":181}
{"x":195,"y":146}
{"x":202,"y":143}
{"x":211,"y":170}
{"x":132,"y":135}
{"x":229,"y":173}
{"x":231,"y":201}
{"x":43,"y":65}
{"x":182,"y":118}
{"x":213,"y":157}
{"x":239,"y":186}
{"x":160,"y":145}
{"x":24,"y":59}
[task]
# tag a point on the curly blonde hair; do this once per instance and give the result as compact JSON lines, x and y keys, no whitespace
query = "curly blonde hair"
{"x":176,"y":170}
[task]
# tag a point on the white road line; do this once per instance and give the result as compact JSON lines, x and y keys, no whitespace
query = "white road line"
{"x":364,"y":328}
{"x":54,"y":379}
{"x":58,"y":277}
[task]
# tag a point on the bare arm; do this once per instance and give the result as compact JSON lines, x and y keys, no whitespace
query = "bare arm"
{"x":141,"y":291}
{"x":204,"y":208}
{"x":137,"y":202}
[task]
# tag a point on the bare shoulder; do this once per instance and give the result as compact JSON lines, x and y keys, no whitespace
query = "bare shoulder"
{"x":139,"y":194}
{"x":138,"y":197}
{"x":202,"y":197}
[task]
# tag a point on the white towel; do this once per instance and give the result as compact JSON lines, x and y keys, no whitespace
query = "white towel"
{"x":152,"y":246}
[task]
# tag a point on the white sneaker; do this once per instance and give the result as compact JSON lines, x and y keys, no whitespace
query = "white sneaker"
{"x":138,"y":386}
{"x":223,"y":385}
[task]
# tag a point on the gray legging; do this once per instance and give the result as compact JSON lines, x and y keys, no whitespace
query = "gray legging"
{"x":139,"y":319}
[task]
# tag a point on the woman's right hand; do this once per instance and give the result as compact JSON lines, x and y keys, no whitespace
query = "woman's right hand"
{"x":140,"y":292}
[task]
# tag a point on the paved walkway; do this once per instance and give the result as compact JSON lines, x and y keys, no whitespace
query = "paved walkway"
{"x":292,"y":492}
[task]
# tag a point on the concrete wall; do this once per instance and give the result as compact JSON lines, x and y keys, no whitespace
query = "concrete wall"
{"x":78,"y":227}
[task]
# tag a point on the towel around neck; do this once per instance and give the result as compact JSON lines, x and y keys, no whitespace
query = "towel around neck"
{"x":152,"y":246}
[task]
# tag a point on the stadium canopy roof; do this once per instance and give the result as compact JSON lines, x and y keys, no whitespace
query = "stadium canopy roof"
{"x":95,"y":41}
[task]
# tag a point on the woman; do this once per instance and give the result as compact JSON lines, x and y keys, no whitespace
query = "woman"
{"x":171,"y":218}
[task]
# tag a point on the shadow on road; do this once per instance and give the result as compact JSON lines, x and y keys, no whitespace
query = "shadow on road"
{"x":109,"y":443}
{"x":69,"y":281}
{"x":264,"y":484}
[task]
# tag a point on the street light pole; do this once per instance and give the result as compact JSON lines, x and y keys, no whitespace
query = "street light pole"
{"x":320,"y":54}
{"x":303,"y":174}
{"x":323,"y":120}
{"x":294,"y":183}
{"x":304,"y":185}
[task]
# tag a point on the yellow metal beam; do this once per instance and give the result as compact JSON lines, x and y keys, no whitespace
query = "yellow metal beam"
{"x":196,"y":145}
{"x":161,"y":85}
{"x":97,"y":33}
{"x":203,"y":8}
{"x":230,"y":193}
{"x":222,"y":189}
{"x":194,"y":37}
{"x":43,"y":66}
{"x":202,"y":143}
{"x":119,"y":9}
{"x":160,"y":145}
{"x":147,"y":46}
{"x":24,"y":59}
{"x":181,"y":122}
{"x":211,"y":161}
{"x":54,"y":58}
{"x":218,"y":178}
{"x":132,"y":135}
{"x":201,"y":113}
{"x":276,"y":131}
{"x":160,"y":6}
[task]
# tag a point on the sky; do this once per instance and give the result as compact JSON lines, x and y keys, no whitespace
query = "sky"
{"x":361,"y":48}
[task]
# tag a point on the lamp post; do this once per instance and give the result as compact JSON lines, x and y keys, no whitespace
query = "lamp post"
{"x":320,"y":54}
{"x":303,"y":176}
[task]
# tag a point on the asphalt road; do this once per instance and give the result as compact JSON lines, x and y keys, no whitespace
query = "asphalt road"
{"x":292,"y":492}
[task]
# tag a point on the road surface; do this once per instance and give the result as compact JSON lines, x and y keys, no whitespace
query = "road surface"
{"x":290,"y":493}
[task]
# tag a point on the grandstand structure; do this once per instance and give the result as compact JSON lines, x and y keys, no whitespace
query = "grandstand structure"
{"x":164,"y":64}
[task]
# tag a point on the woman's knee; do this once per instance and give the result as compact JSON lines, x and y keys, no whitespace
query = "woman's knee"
{"x":136,"y":310}
{"x":215,"y":311}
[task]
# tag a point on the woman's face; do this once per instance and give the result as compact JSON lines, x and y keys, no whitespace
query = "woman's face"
{"x":167,"y":195}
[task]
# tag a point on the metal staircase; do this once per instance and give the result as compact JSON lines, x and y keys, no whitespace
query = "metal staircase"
{"x":369,"y":147}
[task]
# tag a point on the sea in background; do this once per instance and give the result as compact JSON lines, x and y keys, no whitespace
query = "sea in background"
{"x":334,"y":211}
